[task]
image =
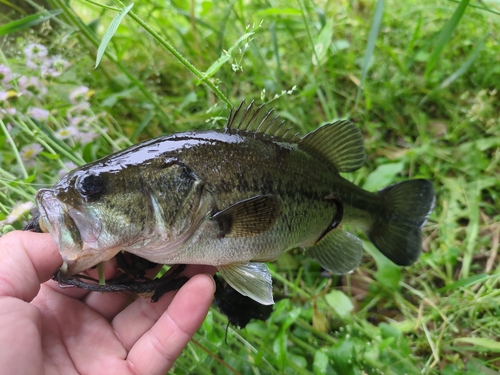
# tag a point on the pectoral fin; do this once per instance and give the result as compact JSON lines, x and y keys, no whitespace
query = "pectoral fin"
{"x":338,"y":251}
{"x":252,"y":280}
{"x":248,"y":217}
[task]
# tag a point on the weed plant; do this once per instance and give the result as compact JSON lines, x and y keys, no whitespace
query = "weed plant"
{"x":419,"y":77}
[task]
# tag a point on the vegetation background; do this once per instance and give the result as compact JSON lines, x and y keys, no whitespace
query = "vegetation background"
{"x":419,"y":77}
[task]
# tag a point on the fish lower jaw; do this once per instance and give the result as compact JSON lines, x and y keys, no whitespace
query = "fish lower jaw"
{"x":87,"y":258}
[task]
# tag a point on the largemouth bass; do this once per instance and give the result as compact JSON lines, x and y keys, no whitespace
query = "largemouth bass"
{"x":234,"y":198}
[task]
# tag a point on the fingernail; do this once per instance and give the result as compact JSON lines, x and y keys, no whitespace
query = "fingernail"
{"x":213,"y":281}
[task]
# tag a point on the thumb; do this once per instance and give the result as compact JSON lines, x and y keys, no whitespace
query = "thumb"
{"x":26,"y":260}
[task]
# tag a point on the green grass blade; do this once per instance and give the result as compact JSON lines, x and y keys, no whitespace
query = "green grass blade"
{"x":484,"y":8}
{"x":483,"y":343}
{"x":163,"y":42}
{"x":462,"y":283}
{"x":465,"y":66}
{"x":27,"y":22}
{"x":113,"y":26}
{"x":13,"y":6}
{"x":472,"y":232}
{"x":14,"y":149}
{"x":460,"y":71}
{"x":370,"y":46}
{"x":445,"y":36}
{"x":89,"y":35}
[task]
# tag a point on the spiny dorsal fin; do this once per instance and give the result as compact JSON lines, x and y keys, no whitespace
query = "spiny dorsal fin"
{"x":249,"y":217}
{"x":254,"y":119}
{"x":339,"y":142}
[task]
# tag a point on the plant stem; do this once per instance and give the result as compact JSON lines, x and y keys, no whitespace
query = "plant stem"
{"x":14,"y":150}
{"x":177,"y":55}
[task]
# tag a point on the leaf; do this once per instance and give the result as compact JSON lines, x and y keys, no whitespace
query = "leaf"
{"x":48,"y":155}
{"x":320,"y":363}
{"x":322,"y":43}
{"x":460,"y":71}
{"x":113,"y":26}
{"x":280,"y":348}
{"x":445,"y":36}
{"x":278,"y":12}
{"x":27,"y":22}
{"x":388,"y":274}
{"x":372,"y":37}
{"x":339,"y":45}
{"x":30,"y":178}
{"x":466,"y":65}
{"x":383,"y":176}
{"x":340,"y":303}
{"x":225,"y":57}
{"x":488,"y":344}
{"x":461,"y":283}
{"x":343,"y":356}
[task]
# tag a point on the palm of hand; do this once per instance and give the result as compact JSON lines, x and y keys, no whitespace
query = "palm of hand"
{"x":46,"y":329}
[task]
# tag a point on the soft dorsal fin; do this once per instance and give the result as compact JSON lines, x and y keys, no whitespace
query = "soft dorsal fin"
{"x":249,"y":217}
{"x":339,"y":142}
{"x":254,"y":119}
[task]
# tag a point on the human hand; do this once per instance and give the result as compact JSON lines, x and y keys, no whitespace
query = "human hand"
{"x":45,"y":329}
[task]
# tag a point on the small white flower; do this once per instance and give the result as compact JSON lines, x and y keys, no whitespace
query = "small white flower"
{"x":7,"y":111}
{"x":67,"y":132}
{"x":30,"y":152}
{"x":81,"y":121}
{"x":38,"y":114}
{"x":86,"y":137}
{"x":31,"y":86}
{"x":79,"y":109}
{"x":56,"y":66}
{"x":35,"y":50}
{"x":18,"y":211}
{"x":79,"y":95}
{"x":5,"y":75}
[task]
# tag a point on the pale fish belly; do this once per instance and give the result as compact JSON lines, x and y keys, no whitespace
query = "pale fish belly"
{"x":208,"y":248}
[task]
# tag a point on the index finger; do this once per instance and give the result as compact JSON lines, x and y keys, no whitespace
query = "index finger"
{"x":26,"y":260}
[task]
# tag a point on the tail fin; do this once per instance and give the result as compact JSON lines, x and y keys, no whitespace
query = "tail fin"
{"x":405,"y":208}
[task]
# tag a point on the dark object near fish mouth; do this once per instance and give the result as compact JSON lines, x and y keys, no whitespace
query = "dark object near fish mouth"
{"x":33,"y":224}
{"x":155,"y":288}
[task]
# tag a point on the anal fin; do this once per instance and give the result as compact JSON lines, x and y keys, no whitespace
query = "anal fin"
{"x":338,"y":251}
{"x":252,"y":280}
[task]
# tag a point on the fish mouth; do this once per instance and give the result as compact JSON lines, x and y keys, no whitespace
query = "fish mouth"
{"x":74,"y":233}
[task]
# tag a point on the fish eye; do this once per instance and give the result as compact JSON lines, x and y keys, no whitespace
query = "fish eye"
{"x":90,"y":185}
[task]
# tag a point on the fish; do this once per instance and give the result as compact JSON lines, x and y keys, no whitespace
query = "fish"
{"x":234,"y":198}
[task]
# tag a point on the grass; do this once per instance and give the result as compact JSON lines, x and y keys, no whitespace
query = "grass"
{"x":419,"y":77}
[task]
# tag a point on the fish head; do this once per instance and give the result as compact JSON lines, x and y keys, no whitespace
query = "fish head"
{"x":86,"y":214}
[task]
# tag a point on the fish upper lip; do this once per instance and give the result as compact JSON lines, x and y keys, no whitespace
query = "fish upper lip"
{"x":60,"y":225}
